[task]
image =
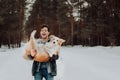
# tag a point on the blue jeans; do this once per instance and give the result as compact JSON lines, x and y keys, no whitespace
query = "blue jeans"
{"x":43,"y":73}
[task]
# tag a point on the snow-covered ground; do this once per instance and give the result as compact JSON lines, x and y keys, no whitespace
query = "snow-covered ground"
{"x":75,"y":63}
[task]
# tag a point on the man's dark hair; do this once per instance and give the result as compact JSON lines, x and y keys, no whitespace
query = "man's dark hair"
{"x":45,"y":25}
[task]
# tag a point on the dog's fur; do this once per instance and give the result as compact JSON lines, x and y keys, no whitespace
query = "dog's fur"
{"x":54,"y":45}
{"x":43,"y":52}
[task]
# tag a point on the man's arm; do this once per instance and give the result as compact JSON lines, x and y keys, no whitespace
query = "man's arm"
{"x":54,"y":57}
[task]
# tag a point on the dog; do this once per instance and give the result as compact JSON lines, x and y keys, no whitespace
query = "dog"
{"x":51,"y":48}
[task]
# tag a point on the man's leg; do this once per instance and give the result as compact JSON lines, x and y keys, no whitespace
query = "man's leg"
{"x":38,"y":76}
{"x":47,"y":75}
{"x":50,"y":77}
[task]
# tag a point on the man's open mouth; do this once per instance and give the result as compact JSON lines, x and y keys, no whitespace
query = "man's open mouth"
{"x":44,"y":34}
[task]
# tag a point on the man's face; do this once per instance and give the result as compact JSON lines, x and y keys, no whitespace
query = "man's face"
{"x":44,"y":32}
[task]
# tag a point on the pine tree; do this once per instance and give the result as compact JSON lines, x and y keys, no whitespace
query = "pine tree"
{"x":11,"y":17}
{"x":51,"y":12}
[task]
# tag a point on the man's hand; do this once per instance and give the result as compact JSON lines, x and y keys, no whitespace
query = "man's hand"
{"x":54,"y":57}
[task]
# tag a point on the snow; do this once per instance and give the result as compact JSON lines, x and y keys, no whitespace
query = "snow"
{"x":92,"y":63}
{"x":75,"y":63}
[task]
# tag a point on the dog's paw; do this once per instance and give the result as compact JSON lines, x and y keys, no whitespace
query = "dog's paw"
{"x":33,"y":52}
{"x":33,"y":33}
{"x":50,"y":54}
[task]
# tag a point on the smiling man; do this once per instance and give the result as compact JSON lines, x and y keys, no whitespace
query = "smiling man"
{"x":45,"y":68}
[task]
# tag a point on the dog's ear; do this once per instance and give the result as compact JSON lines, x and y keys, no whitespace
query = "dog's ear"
{"x":61,"y":41}
{"x":52,"y":37}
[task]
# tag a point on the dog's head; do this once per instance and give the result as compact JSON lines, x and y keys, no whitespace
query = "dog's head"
{"x":56,"y":40}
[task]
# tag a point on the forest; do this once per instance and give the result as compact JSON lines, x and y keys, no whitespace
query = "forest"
{"x":79,"y":22}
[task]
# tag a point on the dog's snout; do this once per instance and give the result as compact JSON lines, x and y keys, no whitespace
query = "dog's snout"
{"x":53,"y":42}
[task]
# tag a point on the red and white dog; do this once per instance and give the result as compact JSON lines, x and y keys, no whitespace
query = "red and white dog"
{"x":54,"y":45}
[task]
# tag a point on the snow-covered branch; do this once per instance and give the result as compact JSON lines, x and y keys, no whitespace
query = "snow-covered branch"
{"x":28,"y":8}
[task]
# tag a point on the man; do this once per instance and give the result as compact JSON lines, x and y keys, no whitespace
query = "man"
{"x":45,"y":68}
